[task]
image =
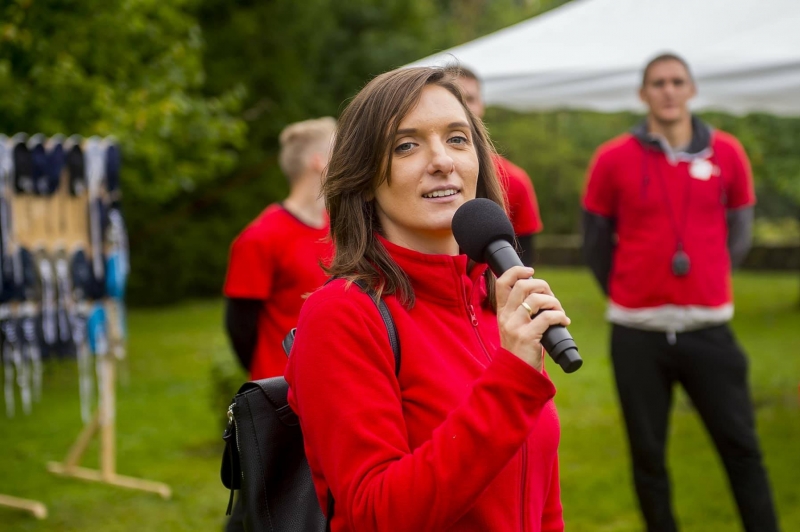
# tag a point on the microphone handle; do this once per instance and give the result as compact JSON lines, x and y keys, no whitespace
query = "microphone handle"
{"x":556,"y":340}
{"x":558,"y":343}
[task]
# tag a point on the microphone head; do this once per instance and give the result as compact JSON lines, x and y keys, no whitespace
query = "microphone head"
{"x":478,"y":223}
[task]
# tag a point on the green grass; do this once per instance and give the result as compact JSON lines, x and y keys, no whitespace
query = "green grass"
{"x":169,"y":432}
{"x":597,"y":491}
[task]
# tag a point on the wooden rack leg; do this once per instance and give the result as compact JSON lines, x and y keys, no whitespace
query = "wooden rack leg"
{"x":38,"y":509}
{"x":79,"y":447}
{"x":107,"y":418}
{"x":104,"y":420}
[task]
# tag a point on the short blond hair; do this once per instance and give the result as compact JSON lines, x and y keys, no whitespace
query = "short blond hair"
{"x":301,"y":140}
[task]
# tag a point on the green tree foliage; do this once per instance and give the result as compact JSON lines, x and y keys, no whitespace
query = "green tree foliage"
{"x":772,"y":143}
{"x":296,"y":60}
{"x":556,"y":147}
{"x":299,"y":60}
{"x":197,"y":92}
{"x":130,"y":69}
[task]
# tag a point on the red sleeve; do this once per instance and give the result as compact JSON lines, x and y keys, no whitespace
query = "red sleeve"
{"x":343,"y":387}
{"x":553,"y":514}
{"x":522,"y":205}
{"x":250,"y":268}
{"x":600,"y":193}
{"x":739,"y":189}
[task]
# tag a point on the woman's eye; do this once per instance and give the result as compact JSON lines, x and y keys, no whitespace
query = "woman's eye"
{"x":404,"y":147}
{"x":458,"y":139}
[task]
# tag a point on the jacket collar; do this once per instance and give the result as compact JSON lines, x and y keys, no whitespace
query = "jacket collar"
{"x":442,"y":278}
{"x":699,"y":147}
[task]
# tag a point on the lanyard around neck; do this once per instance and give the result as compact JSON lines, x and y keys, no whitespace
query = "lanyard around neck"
{"x":678,"y":226}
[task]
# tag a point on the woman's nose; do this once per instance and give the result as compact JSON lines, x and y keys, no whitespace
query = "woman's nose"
{"x":441,"y":162}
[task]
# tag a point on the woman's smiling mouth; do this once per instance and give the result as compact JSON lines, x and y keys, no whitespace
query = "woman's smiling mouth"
{"x":441,"y":193}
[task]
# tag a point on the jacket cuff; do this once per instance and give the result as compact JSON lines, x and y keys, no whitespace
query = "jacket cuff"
{"x":523,"y":377}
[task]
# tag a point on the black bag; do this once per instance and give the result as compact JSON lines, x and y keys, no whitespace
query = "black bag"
{"x":264,"y":456}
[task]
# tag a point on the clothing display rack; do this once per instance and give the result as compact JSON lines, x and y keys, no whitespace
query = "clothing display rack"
{"x":63,"y":267}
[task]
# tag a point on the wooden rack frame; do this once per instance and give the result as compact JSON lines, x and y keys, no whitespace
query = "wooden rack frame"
{"x":60,"y":222}
{"x":104,"y":421}
{"x":38,"y":509}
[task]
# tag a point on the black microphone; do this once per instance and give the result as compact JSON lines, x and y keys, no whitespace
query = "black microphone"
{"x":484,"y":233}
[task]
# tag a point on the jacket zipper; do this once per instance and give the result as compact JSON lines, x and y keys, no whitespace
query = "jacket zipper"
{"x":474,"y":319}
{"x":522,"y":487}
{"x":472,"y":315}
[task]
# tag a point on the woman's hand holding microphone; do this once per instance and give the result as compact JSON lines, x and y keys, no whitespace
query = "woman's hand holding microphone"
{"x":520,"y":298}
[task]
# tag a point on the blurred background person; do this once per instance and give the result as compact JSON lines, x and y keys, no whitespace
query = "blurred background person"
{"x":523,"y":209}
{"x":275,"y":260}
{"x":668,"y":211}
{"x":465,"y":435}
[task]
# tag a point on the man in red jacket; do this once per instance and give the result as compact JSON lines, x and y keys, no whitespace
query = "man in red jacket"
{"x":522,"y":205}
{"x":668,"y":209}
{"x":275,"y":261}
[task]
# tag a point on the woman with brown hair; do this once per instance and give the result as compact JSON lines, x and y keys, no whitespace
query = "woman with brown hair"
{"x":465,"y":436}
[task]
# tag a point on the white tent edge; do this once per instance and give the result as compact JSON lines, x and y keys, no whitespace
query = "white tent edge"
{"x":590,"y":61}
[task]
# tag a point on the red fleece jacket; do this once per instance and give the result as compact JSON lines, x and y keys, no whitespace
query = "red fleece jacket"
{"x":465,"y":439}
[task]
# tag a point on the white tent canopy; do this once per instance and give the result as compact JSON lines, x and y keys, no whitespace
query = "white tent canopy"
{"x":588,"y":54}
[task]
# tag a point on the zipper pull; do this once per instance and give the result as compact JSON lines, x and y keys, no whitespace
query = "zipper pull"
{"x":231,"y":447}
{"x":229,"y":434}
{"x":472,"y":316}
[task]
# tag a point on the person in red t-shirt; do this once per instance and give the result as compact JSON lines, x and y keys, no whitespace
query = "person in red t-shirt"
{"x":523,"y":209}
{"x":668,"y":208}
{"x":275,"y":261}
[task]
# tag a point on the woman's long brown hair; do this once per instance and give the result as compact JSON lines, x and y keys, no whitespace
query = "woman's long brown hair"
{"x":361,"y":161}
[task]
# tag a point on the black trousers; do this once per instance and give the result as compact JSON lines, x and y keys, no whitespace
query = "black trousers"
{"x":712,"y":368}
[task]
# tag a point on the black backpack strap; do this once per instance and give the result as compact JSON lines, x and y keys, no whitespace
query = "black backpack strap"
{"x":386,"y":315}
{"x":394,"y":341}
